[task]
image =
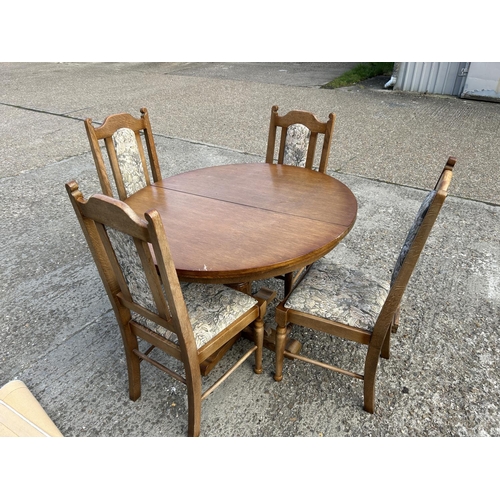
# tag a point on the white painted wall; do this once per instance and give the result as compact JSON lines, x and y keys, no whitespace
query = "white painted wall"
{"x":483,"y":81}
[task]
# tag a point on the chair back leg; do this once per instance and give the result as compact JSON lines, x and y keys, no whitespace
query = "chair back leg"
{"x":259,"y":341}
{"x":130,"y":345}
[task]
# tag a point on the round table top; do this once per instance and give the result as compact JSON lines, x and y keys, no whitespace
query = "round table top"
{"x":245,"y":222}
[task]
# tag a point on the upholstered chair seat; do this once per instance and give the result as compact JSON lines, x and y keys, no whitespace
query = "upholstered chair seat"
{"x":212,"y":308}
{"x":350,"y":296}
{"x":337,"y":293}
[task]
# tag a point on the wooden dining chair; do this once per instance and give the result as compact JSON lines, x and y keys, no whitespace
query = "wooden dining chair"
{"x":349,"y":304}
{"x":188,"y":322}
{"x":297,"y":146}
{"x":124,"y":138}
{"x":298,"y":138}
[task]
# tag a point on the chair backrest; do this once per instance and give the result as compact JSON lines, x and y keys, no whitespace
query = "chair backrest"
{"x":123,"y":136}
{"x":298,"y":138}
{"x":122,"y":245}
{"x":414,"y":243}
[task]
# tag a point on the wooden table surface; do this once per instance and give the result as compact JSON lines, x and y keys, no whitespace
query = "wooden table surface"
{"x":246,"y":222}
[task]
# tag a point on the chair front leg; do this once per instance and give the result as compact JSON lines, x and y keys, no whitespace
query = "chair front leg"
{"x":194,"y":416}
{"x":279,"y":352}
{"x":192,"y":371}
{"x":371,"y":365}
{"x":193,"y":385}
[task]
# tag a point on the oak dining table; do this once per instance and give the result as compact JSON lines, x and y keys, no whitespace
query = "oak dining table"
{"x":240,"y":223}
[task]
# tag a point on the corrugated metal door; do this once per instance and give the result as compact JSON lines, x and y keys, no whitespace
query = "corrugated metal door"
{"x":432,"y":77}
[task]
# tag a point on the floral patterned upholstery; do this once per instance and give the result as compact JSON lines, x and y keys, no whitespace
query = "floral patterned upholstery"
{"x":412,"y":233}
{"x":211,"y":308}
{"x":337,"y":293}
{"x":296,"y":143}
{"x":129,"y":160}
{"x":349,"y":296}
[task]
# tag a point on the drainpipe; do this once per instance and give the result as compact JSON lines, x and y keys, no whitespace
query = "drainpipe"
{"x":394,"y":76}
